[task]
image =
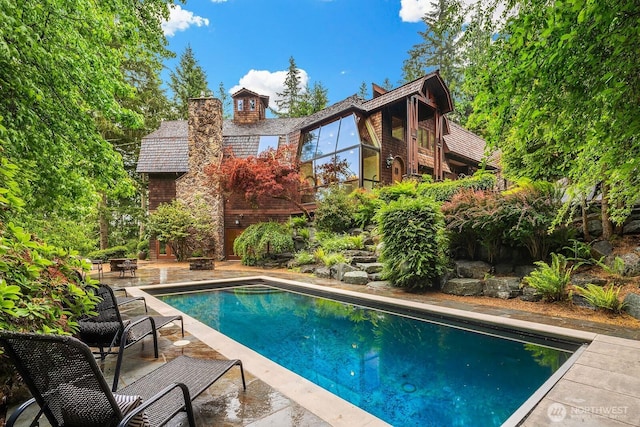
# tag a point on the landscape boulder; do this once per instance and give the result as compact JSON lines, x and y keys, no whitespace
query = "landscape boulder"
{"x":472,"y":269}
{"x":502,"y":287}
{"x":338,"y":270}
{"x":632,"y":305}
{"x":463,"y":287}
{"x":356,"y":277}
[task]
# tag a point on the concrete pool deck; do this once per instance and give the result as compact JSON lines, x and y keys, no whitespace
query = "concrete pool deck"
{"x":602,"y":387}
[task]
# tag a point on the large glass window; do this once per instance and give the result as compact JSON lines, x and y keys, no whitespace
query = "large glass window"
{"x":334,"y":153}
{"x":309,"y":145}
{"x":328,"y":138}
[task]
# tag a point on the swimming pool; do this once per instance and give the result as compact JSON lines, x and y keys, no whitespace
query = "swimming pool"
{"x":413,"y":368}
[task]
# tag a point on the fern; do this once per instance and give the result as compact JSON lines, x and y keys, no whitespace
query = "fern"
{"x":551,"y":280}
{"x":604,"y":298}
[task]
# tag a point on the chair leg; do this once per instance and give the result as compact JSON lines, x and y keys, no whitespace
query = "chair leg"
{"x":116,"y":374}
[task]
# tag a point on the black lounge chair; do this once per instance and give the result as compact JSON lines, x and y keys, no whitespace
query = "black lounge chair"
{"x":108,"y":330}
{"x":125,"y":298}
{"x":68,"y":386}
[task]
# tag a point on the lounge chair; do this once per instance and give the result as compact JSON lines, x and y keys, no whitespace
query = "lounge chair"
{"x":108,"y":330}
{"x":68,"y":386}
{"x":125,"y":298}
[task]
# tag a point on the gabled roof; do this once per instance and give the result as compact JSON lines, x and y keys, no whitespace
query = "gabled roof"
{"x":464,"y":143}
{"x":279,"y":126}
{"x":166,"y":149}
{"x":244,"y":92}
{"x":419,"y":86}
{"x":354,"y":102}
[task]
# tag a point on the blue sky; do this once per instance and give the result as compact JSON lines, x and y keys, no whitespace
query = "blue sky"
{"x":340,"y":43}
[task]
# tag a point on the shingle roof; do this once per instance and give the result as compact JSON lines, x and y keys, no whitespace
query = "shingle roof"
{"x":353,"y":102}
{"x":465,"y":143}
{"x":279,"y":126}
{"x":166,"y":149}
{"x":413,"y":88}
{"x":242,"y":146}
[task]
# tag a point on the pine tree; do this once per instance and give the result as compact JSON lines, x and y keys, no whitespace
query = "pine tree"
{"x":311,"y":100}
{"x":225,"y":99}
{"x":363,"y":92}
{"x":288,"y":99}
{"x":188,"y":81}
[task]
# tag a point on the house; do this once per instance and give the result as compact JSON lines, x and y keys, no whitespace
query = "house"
{"x":398,"y":133}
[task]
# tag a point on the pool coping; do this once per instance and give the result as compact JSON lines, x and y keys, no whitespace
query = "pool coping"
{"x":324,"y":404}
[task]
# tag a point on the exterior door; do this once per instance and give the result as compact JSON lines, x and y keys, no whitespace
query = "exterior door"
{"x":230,"y":235}
{"x":397,"y":170}
{"x":164,"y":252}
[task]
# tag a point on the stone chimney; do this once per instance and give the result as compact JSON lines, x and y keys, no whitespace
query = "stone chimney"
{"x":205,"y":147}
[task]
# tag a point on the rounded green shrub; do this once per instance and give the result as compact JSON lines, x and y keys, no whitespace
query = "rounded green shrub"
{"x":260,"y":240}
{"x":334,"y":211}
{"x":414,"y":242}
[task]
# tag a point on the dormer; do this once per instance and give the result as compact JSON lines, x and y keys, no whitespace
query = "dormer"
{"x":249,"y":107}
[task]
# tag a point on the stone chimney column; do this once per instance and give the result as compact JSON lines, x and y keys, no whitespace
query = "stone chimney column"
{"x":205,"y":147}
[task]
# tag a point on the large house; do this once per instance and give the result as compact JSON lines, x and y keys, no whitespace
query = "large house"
{"x":398,"y":133}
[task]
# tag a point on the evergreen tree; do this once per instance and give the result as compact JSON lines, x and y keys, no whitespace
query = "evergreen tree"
{"x":311,"y":100}
{"x":188,"y":81}
{"x":363,"y":92}
{"x":440,"y":46}
{"x":386,"y":84}
{"x":290,"y":96}
{"x":225,"y":99}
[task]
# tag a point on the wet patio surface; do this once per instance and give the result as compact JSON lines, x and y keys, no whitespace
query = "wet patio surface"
{"x":600,"y":389}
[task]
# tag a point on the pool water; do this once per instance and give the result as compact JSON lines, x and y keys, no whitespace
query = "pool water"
{"x":405,"y":371}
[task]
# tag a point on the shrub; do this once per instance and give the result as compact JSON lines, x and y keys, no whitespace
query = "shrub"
{"x":339,"y":242}
{"x":443,"y":191}
{"x":394,"y":192}
{"x":185,"y":228}
{"x":333,"y":258}
{"x":413,"y":234}
{"x":334,"y":211}
{"x":304,"y":258}
{"x":604,"y":298}
{"x":366,"y":204}
{"x":105,"y":254}
{"x":260,"y":240}
{"x":297,"y":222}
{"x":551,"y":280}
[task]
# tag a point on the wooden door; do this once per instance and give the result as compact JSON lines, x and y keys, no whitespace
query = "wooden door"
{"x":164,"y":252}
{"x":230,"y":235}
{"x":397,"y":170}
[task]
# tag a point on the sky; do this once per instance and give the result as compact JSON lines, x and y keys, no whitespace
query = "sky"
{"x":339,"y":43}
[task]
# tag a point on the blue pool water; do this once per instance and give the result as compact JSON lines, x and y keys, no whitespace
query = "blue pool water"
{"x":405,"y":371}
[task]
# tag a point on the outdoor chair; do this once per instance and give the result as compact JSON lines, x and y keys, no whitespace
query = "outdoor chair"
{"x":125,"y":298}
{"x":66,"y":383}
{"x":108,"y":331}
{"x":128,"y":265}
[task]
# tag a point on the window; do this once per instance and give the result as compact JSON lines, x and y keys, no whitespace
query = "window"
{"x":240,"y":104}
{"x":334,"y":153}
{"x":424,"y":138}
{"x":252,"y":104}
{"x":266,"y":142}
{"x":397,"y":128}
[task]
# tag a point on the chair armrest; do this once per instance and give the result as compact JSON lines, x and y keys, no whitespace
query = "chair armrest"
{"x":134,"y":331}
{"x":156,"y":397}
{"x":14,"y":416}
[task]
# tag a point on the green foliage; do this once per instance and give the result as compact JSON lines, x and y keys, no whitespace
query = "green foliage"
{"x":329,"y":258}
{"x":304,"y":258}
{"x":445,"y":190}
{"x":551,"y":280}
{"x":63,"y":82}
{"x":187,"y":81}
{"x":339,"y":242}
{"x":520,"y":217}
{"x":106,"y":254}
{"x":65,"y":233}
{"x":413,"y":234}
{"x":334,"y":211}
{"x":185,"y":228}
{"x":260,"y":240}
{"x":555,"y":98}
{"x":366,"y":204}
{"x":40,"y":289}
{"x":393,"y":192}
{"x":297,"y":222}
{"x":602,"y":297}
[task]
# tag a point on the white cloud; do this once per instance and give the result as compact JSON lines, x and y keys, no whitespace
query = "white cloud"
{"x":268,"y":83}
{"x":180,"y":19}
{"x":414,"y":10}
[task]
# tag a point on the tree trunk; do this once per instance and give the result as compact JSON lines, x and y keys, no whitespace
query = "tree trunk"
{"x":607,"y":226}
{"x":585,"y":220}
{"x":143,"y":207}
{"x":103,"y":222}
